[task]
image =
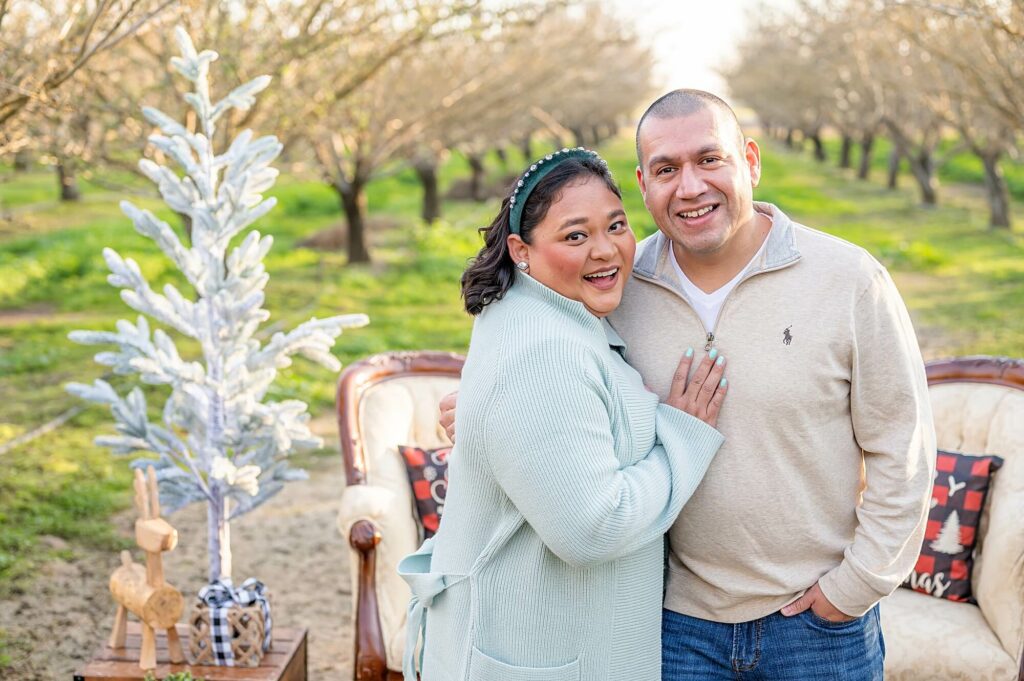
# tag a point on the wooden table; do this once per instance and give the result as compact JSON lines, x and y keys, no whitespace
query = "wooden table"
{"x":285,"y":661}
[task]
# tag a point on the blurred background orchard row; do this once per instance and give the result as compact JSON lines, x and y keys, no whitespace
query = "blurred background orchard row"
{"x":893,"y":124}
{"x":361,"y":87}
{"x":365,"y":87}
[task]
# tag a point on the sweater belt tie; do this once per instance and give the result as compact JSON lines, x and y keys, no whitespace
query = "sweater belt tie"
{"x":424,"y":588}
{"x":425,"y":585}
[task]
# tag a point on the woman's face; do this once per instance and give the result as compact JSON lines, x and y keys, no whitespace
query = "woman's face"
{"x":583,"y":248}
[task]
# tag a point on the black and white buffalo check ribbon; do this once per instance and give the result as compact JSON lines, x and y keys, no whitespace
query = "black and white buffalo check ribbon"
{"x":221,"y":596}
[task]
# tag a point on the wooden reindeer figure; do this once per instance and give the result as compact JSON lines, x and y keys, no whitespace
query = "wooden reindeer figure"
{"x":143,"y":591}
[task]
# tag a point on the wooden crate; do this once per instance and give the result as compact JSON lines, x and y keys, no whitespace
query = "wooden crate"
{"x":285,"y":661}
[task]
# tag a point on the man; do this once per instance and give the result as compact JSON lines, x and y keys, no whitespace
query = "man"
{"x":814,"y":508}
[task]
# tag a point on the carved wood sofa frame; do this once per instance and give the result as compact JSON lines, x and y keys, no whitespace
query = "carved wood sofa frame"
{"x":370,"y":659}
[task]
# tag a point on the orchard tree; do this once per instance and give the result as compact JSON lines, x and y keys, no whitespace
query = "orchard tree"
{"x":359,"y":133}
{"x":47,"y":42}
{"x":966,"y":84}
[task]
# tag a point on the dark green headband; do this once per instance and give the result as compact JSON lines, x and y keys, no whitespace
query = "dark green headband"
{"x":535,"y":173}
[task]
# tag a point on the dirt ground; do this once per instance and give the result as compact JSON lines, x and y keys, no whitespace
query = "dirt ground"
{"x":290,"y":543}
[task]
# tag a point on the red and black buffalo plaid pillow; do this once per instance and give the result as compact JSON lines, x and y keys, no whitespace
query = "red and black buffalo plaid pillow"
{"x":944,"y":567}
{"x":428,"y":473}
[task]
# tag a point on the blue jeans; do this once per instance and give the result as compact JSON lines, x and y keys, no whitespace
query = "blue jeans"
{"x":803,"y":647}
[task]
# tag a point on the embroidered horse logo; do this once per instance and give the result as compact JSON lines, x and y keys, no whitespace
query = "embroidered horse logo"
{"x":786,"y":337}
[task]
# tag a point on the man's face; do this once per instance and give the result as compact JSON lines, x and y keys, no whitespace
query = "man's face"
{"x":697,"y":179}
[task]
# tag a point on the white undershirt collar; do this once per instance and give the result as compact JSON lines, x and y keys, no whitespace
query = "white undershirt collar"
{"x":708,"y":305}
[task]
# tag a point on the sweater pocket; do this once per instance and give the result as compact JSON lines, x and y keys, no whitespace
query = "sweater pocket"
{"x":485,"y":668}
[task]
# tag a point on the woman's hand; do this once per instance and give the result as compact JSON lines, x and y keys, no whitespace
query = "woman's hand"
{"x":704,"y":394}
{"x":446,"y":411}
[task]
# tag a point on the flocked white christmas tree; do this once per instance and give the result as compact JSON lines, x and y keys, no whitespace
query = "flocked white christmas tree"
{"x":219,"y":440}
{"x":948,"y":540}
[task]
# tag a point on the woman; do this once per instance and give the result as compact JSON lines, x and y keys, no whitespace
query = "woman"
{"x":548,"y":562}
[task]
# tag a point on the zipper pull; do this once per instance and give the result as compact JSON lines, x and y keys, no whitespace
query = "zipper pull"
{"x":710,"y":341}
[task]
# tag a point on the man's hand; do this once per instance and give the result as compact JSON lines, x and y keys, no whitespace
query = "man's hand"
{"x":447,"y":417}
{"x":819,"y":605}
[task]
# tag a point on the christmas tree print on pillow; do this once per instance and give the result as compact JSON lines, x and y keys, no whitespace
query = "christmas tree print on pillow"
{"x":943,"y":569}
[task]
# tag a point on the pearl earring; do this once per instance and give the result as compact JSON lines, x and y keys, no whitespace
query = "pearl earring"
{"x":523,"y":266}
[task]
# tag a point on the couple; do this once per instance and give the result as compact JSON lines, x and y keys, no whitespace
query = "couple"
{"x":571,"y":464}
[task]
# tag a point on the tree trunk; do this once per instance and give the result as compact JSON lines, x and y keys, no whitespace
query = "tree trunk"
{"x":922,"y":168}
{"x":502,"y":157}
{"x":353,"y":202}
{"x":894,"y":169}
{"x":596,"y":135}
{"x":998,"y":195}
{"x":218,"y":535}
{"x":578,"y":136}
{"x":22,"y":161}
{"x":427,"y":174}
{"x":819,"y":148}
{"x":476,"y":179}
{"x":526,"y":146}
{"x":789,"y":137}
{"x":68,"y":182}
{"x":845,"y":152}
{"x":867,"y":145}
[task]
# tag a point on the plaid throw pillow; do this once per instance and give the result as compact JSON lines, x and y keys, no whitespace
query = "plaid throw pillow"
{"x":943,"y":569}
{"x":428,"y":474}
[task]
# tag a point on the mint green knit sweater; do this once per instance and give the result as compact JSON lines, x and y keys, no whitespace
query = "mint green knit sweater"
{"x":566,"y":474}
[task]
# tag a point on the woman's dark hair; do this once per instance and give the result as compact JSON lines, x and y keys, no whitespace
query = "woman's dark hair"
{"x":491,"y":273}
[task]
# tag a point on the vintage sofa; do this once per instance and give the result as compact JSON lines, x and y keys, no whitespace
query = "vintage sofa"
{"x":978,"y":403}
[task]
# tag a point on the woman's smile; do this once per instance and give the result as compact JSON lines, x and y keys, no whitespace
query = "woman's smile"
{"x":603,"y":280}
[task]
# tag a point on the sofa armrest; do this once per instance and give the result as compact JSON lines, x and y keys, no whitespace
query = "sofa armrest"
{"x":370,"y":656}
{"x":364,"y":502}
{"x":391,"y":514}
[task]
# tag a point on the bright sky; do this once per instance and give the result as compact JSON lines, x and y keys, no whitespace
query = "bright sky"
{"x":691,"y":38}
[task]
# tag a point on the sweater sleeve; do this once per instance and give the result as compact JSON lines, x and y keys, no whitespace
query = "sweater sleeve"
{"x":551,"y":449}
{"x":892,"y":422}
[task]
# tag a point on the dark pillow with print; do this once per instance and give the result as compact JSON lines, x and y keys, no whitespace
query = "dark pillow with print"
{"x":944,"y":567}
{"x":428,"y":474}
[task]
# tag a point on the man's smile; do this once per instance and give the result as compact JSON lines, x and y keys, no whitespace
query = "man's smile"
{"x":698,"y":212}
{"x":697,"y":217}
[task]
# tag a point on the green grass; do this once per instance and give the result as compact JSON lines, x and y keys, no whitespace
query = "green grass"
{"x":962,"y":282}
{"x":957,"y":276}
{"x":60,"y":486}
{"x":958,"y":165}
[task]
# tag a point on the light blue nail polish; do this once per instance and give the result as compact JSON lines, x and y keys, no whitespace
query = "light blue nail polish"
{"x":713,"y":353}
{"x":722,"y":383}
{"x":689,"y":352}
{"x":720,"y":361}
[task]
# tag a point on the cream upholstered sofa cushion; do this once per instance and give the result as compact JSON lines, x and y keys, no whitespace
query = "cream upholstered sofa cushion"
{"x":935,"y":639}
{"x":929,"y":638}
{"x":396,"y":411}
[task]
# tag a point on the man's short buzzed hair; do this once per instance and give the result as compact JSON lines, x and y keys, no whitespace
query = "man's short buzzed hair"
{"x":682,"y":103}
